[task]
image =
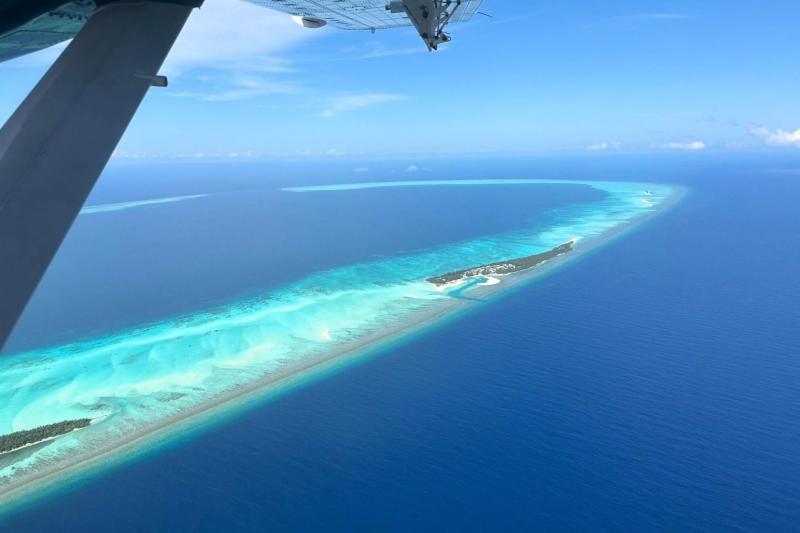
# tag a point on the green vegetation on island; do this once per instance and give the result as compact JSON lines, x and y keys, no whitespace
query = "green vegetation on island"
{"x":502,"y":267}
{"x":18,"y":439}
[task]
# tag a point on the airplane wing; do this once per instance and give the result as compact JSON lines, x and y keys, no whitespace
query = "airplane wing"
{"x":24,"y":30}
{"x":56,"y":144}
{"x":429,"y":17}
{"x":39,"y":30}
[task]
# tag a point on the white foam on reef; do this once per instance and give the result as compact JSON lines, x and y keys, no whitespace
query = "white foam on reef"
{"x":630,"y":187}
{"x":134,"y":380}
{"x":121,"y":206}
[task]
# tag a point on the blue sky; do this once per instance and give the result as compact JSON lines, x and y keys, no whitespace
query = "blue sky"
{"x":631,"y":75}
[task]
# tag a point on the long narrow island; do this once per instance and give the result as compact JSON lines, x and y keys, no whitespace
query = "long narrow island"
{"x":20,"y":439}
{"x":501,"y":268}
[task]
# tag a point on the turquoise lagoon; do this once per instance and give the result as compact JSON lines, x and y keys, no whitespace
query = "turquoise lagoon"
{"x":138,"y":380}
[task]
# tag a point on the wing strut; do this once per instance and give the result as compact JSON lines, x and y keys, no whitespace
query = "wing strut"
{"x":55,"y":145}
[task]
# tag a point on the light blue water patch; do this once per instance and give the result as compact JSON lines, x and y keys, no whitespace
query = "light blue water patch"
{"x":121,"y":206}
{"x":601,"y":185}
{"x":130,"y":381}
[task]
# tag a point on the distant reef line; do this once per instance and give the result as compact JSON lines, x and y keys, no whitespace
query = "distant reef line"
{"x":502,"y":268}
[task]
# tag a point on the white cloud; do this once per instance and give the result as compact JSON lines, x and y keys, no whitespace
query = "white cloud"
{"x":412,"y":168}
{"x":335,"y":152}
{"x":357,"y":101}
{"x":636,"y":19}
{"x":604,"y":146}
{"x":234,"y":35}
{"x":660,"y":16}
{"x":649,"y":17}
{"x":231,"y":50}
{"x":239,"y":88}
{"x":375,"y":49}
{"x":778,"y":137}
{"x":691,"y":146}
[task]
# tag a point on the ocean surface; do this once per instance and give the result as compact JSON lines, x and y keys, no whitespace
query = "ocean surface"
{"x":650,"y":385}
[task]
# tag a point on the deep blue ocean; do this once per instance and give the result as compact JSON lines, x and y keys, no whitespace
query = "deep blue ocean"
{"x":653,"y":385}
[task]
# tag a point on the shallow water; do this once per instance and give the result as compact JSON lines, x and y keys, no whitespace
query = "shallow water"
{"x":634,"y":389}
{"x":139,"y":377}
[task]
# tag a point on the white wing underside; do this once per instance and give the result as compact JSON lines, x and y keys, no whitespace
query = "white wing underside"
{"x":359,"y":14}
